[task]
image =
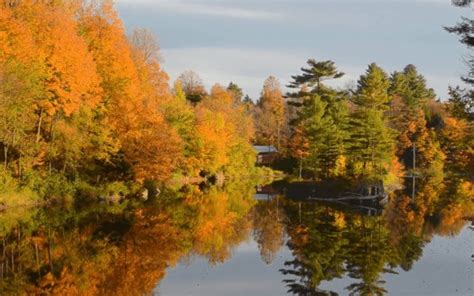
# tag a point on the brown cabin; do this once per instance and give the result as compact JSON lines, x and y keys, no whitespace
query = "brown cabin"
{"x":266,"y":155}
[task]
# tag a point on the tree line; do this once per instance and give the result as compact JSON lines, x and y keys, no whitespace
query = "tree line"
{"x":375,"y":128}
{"x":83,"y":102}
{"x":386,"y":125}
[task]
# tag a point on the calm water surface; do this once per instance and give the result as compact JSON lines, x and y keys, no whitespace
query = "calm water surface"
{"x":230,"y":241}
{"x":443,"y":267}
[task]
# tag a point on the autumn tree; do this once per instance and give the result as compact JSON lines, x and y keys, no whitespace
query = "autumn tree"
{"x":19,"y":87}
{"x":299,"y":148}
{"x":180,"y":115}
{"x":192,"y":86}
{"x":416,"y":144}
{"x":80,"y":101}
{"x":145,"y":44}
{"x":134,"y":86}
{"x":271,"y":116}
{"x":221,"y":136}
{"x":457,"y":141}
{"x":56,"y":53}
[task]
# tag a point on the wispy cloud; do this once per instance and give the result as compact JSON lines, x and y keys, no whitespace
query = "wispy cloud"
{"x":209,"y":8}
{"x":249,"y":67}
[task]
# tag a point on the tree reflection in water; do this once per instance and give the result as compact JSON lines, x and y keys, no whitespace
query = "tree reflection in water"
{"x":329,"y":243}
{"x":125,"y":249}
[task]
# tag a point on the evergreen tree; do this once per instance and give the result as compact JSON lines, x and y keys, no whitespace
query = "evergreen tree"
{"x":464,"y":99}
{"x":311,"y":82}
{"x":323,"y":138}
{"x":371,"y":141}
{"x":461,"y":103}
{"x":236,"y":91}
{"x":323,"y":112}
{"x":465,"y":30}
{"x":372,"y":89}
{"x":314,"y":76}
{"x":411,"y":87}
{"x":247,"y":100}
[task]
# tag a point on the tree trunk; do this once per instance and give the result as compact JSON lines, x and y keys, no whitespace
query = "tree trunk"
{"x":51,"y":140}
{"x":13,"y":261}
{"x":278,"y":138}
{"x":4,"y":259}
{"x":50,"y":261}
{"x":18,"y":247}
{"x":37,"y":258}
{"x":299,"y":211}
{"x":20,"y":169}
{"x":38,"y":131}
{"x":300,"y":175}
{"x":414,"y":157}
{"x":5,"y":155}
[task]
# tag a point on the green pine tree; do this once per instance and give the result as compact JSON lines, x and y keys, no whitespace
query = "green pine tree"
{"x":323,"y":112}
{"x":411,"y":87}
{"x":371,"y":140}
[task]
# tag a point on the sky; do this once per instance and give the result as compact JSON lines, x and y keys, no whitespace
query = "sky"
{"x":245,"y":41}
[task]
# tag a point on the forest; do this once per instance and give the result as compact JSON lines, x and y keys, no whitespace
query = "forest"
{"x":86,"y":109}
{"x":87,"y":114}
{"x":83,"y":104}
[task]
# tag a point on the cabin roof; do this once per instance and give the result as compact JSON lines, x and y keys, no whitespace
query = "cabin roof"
{"x":265,"y":149}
